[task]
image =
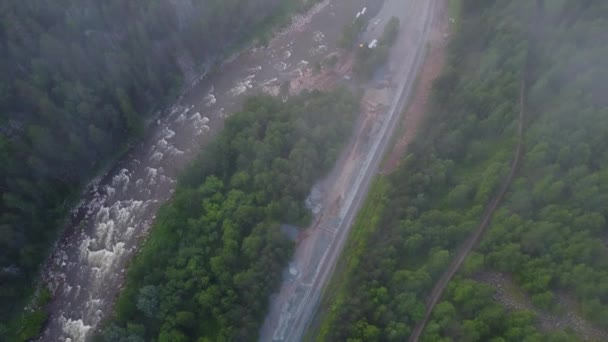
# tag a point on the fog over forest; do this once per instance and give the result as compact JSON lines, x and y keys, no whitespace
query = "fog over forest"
{"x":490,"y":222}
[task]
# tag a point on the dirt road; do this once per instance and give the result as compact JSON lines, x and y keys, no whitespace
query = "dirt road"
{"x":338,"y":199}
{"x":472,"y":240}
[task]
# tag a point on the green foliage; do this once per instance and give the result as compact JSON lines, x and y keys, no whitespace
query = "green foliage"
{"x":454,"y":8}
{"x":147,"y":301}
{"x":469,"y":313}
{"x":391,"y":31}
{"x":31,"y":324}
{"x":436,"y":197}
{"x":553,"y":226}
{"x":217,"y":251}
{"x":365,"y":225}
{"x":550,"y":233}
{"x":78,"y":79}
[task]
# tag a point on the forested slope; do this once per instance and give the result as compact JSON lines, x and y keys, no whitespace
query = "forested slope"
{"x":78,"y":80}
{"x":550,"y":234}
{"x":550,"y":237}
{"x":217,"y":249}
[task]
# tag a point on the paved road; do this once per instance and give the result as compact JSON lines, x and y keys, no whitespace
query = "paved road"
{"x":294,"y":306}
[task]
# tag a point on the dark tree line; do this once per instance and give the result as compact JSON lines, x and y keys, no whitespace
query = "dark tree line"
{"x":78,"y":81}
{"x":550,"y":235}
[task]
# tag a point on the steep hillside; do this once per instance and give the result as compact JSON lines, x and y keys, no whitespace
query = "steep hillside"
{"x":78,"y":82}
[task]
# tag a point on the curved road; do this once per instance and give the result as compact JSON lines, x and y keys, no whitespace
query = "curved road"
{"x":472,"y":240}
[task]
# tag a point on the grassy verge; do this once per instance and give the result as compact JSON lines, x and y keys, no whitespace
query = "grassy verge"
{"x":216,"y":251}
{"x":436,"y":198}
{"x":27,"y":325}
{"x":366,"y":224}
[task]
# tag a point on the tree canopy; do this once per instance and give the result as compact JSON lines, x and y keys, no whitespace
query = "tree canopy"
{"x":549,"y":234}
{"x":78,"y":81}
{"x":217,"y":250}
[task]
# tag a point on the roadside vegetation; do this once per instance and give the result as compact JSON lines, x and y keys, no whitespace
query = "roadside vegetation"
{"x":79,"y":80}
{"x":549,"y":235}
{"x":217,"y":251}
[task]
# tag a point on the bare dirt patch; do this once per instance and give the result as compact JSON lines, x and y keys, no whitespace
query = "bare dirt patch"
{"x":513,"y":298}
{"x":326,"y":77}
{"x":486,"y":219}
{"x":419,"y":104}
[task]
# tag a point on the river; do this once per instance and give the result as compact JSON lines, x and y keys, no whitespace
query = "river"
{"x":87,"y":267}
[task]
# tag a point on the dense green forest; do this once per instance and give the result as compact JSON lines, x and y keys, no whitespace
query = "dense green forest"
{"x":217,"y":249}
{"x":550,"y":235}
{"x":79,"y":79}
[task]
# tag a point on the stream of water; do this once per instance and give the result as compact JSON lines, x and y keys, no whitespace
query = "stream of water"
{"x":87,"y":268}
